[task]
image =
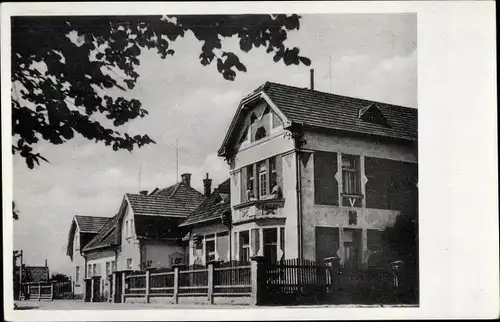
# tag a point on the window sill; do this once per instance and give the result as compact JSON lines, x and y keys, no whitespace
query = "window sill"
{"x":278,"y":202}
{"x":348,"y":195}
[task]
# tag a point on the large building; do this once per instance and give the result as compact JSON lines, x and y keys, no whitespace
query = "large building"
{"x":315,"y":175}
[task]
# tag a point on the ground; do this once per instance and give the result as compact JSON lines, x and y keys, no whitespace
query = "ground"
{"x":81,"y":305}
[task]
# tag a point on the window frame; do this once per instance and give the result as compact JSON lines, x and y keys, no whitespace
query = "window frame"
{"x":77,"y":274}
{"x":129,"y":263}
{"x":244,"y":246}
{"x":210,"y":238}
{"x":355,"y":170}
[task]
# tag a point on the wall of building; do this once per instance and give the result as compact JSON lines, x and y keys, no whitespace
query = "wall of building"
{"x":78,"y":260}
{"x":130,"y":247}
{"x":161,"y":253}
{"x":334,"y":216}
{"x":100,"y":258}
{"x":197,"y":256}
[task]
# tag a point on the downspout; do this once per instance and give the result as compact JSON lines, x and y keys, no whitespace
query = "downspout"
{"x":299,"y":206}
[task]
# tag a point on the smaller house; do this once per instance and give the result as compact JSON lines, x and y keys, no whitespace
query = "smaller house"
{"x":143,"y":234}
{"x":82,"y":230}
{"x":209,"y":234}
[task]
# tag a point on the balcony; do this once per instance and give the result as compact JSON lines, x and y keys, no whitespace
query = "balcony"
{"x":259,"y":209}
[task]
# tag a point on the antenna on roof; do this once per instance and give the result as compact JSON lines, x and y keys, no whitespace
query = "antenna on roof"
{"x":330,"y":71}
{"x":177,"y":166}
{"x":140,"y":177}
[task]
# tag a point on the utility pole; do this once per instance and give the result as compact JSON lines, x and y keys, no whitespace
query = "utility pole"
{"x":21,"y":275}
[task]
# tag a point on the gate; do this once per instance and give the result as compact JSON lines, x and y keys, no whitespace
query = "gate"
{"x":294,"y":282}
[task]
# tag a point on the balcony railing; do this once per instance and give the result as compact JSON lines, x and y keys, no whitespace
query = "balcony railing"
{"x":259,"y":209}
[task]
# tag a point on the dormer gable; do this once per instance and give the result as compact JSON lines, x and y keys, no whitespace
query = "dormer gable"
{"x":373,"y":114}
{"x":256,"y":118}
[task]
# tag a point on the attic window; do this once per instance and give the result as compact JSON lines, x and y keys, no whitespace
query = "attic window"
{"x":260,"y":133}
{"x":373,"y":114}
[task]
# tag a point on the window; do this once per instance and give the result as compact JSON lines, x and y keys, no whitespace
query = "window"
{"x":271,"y":244}
{"x":262,"y":179}
{"x":250,"y":182}
{"x":108,"y":268}
{"x":77,"y":274}
{"x":89,"y":270}
{"x":244,"y":246}
{"x":350,"y":175}
{"x":129,"y":263}
{"x":260,"y":133}
{"x":94,"y":270}
{"x":131,"y":227}
{"x":209,"y":248}
{"x":77,"y":241}
{"x":113,"y":266}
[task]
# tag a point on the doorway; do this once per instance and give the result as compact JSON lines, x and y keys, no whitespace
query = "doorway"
{"x":352,"y":248}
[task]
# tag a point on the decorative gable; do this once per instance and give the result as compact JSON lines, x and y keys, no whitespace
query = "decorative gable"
{"x":373,"y":114}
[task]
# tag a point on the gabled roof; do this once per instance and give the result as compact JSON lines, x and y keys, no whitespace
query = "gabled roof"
{"x":158,"y":205}
{"x":90,"y":224}
{"x":87,"y":225}
{"x":106,"y":237}
{"x":212,"y":207}
{"x":321,"y":110}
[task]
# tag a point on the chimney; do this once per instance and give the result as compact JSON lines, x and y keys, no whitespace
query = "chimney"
{"x":207,"y":185}
{"x":143,"y":192}
{"x":312,"y":79}
{"x":46,"y":262}
{"x":186,"y":179}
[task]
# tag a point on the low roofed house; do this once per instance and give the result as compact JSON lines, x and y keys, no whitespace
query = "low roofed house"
{"x":208,"y":226}
{"x":82,"y":230}
{"x":144,"y":233}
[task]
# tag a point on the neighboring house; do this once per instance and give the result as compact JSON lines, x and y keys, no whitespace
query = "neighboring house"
{"x":208,"y":225}
{"x":315,"y":175}
{"x":144,"y":233}
{"x":82,"y":230}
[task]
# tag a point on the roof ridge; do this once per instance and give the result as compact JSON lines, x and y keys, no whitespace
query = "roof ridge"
{"x":337,"y":95}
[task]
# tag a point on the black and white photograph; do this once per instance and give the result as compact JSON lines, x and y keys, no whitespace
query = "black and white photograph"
{"x":204,"y":161}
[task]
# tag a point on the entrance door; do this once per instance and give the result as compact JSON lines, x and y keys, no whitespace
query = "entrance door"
{"x":352,"y":248}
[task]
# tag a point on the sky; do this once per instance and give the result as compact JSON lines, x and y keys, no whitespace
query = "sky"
{"x":370,"y":56}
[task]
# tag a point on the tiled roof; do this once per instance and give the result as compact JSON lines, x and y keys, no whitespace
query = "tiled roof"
{"x":212,"y":207}
{"x":337,"y":112}
{"x":106,"y":237}
{"x":325,"y":111}
{"x":157,"y":227}
{"x":177,"y":200}
{"x":35,"y":274}
{"x":90,"y":224}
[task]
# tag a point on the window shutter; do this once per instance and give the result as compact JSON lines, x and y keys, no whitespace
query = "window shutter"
{"x":279,"y":171}
{"x":243,"y":184}
{"x":325,"y":185}
{"x":255,"y":241}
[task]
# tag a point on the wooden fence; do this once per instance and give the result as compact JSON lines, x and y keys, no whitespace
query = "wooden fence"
{"x":47,"y":291}
{"x":296,"y":282}
{"x":228,"y":279}
{"x":286,"y":282}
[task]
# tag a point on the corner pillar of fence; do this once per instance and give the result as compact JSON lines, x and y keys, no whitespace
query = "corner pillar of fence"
{"x":257,"y":279}
{"x":175,"y":294}
{"x":211,"y":283}
{"x":148,"y":275}
{"x":124,"y":287}
{"x":333,"y":265}
{"x":52,"y":291}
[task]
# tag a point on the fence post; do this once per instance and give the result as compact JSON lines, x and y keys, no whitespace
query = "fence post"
{"x":257,"y":279}
{"x":175,"y":295}
{"x":39,"y":291}
{"x":52,"y":291}
{"x":147,"y":285}
{"x":124,"y":275}
{"x":210,"y":291}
